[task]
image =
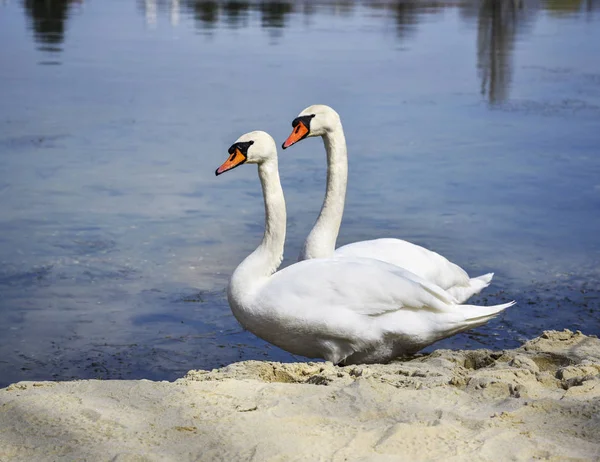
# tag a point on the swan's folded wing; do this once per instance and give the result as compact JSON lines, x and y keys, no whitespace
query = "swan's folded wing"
{"x":424,"y":262}
{"x":365,"y":286}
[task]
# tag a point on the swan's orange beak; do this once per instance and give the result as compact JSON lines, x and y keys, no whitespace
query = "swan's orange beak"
{"x":300,"y":132}
{"x":235,"y":159}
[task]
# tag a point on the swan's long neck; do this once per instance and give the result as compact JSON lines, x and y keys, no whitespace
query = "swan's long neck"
{"x":320,"y":242}
{"x":267,"y":257}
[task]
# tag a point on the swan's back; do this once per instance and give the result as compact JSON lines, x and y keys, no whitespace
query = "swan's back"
{"x":425,"y":263}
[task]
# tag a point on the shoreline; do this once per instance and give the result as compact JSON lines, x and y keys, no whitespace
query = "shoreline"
{"x":541,"y":400}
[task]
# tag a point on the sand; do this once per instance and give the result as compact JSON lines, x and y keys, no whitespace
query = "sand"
{"x":540,"y":401}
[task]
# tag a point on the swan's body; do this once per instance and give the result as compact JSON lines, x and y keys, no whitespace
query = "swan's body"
{"x":320,"y":120}
{"x":350,"y":310}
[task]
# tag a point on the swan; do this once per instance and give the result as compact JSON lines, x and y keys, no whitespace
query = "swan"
{"x":344,"y":310}
{"x":323,"y":121}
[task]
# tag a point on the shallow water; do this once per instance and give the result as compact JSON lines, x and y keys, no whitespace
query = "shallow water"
{"x":472,"y":127}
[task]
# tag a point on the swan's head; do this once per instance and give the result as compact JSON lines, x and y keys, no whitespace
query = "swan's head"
{"x":252,"y":148}
{"x":316,"y":120}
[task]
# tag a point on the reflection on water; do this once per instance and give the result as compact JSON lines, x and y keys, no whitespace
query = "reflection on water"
{"x":499,"y":23}
{"x":208,"y":14}
{"x":407,"y":14}
{"x":48,"y":21}
{"x":151,"y":7}
{"x":496,"y":34}
{"x":562,"y":7}
{"x":274,"y":14}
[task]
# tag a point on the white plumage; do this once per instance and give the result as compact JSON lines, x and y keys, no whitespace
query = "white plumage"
{"x":345,"y":310}
{"x":323,"y":121}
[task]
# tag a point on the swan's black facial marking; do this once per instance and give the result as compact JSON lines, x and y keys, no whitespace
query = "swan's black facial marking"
{"x":238,"y":154}
{"x":242,"y":146}
{"x":304,"y":119}
{"x":301,"y":129}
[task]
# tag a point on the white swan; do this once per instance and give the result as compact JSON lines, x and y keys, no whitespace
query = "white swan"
{"x":345,"y":310}
{"x":321,"y":120}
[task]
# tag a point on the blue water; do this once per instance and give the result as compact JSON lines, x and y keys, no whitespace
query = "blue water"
{"x":473,"y":129}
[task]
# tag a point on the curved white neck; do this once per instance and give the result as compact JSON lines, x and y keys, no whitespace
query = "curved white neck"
{"x":320,"y":242}
{"x":267,"y":257}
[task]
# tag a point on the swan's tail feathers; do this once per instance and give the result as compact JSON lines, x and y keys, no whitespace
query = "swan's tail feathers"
{"x":478,"y":315}
{"x":476,"y":285}
{"x":484,"y":280}
{"x":472,"y":316}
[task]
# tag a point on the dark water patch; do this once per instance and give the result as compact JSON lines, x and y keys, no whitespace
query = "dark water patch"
{"x":28,"y":278}
{"x":254,"y":228}
{"x":592,"y":78}
{"x":88,"y":246}
{"x":47,"y":173}
{"x":254,"y":194}
{"x":195,"y":193}
{"x":563,"y":108}
{"x":554,"y":71}
{"x":105,"y":190}
{"x":65,"y":274}
{"x":197,"y":297}
{"x":50,"y":49}
{"x":567,"y":74}
{"x":184,"y":240}
{"x":96,"y":274}
{"x":21,"y":143}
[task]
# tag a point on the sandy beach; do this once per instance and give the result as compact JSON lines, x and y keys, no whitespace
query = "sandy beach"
{"x":540,"y":401}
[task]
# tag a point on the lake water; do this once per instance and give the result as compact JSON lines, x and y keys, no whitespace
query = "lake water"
{"x":473,"y":129}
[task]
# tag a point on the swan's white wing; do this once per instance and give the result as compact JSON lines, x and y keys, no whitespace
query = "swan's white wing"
{"x":425,"y":263}
{"x":335,"y":308}
{"x":362,"y":285}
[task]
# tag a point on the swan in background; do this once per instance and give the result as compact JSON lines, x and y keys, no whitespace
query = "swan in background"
{"x":345,"y":310}
{"x":323,"y":121}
